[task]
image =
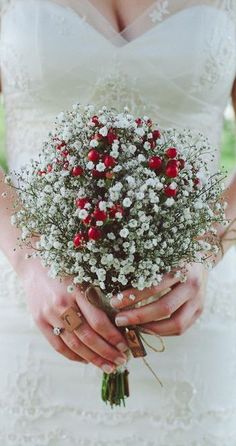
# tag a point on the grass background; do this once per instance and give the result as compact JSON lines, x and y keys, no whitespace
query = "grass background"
{"x":228,"y":142}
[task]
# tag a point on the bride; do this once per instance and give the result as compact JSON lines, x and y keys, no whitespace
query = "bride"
{"x":172,"y":60}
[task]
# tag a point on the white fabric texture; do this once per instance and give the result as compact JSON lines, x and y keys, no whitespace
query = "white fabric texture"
{"x":177,"y":63}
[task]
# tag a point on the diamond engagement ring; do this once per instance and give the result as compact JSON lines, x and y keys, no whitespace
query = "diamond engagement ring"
{"x":57,"y":331}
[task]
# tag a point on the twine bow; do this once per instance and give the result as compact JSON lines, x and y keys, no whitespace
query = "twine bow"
{"x":162,"y":349}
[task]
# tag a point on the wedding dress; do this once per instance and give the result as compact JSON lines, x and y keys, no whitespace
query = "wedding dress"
{"x":176,"y":63}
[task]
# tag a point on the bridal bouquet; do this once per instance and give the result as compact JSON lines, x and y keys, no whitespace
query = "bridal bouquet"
{"x":117,"y":202}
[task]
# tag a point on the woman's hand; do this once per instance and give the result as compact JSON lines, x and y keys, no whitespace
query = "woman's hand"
{"x":97,"y":340}
{"x":178,"y":308}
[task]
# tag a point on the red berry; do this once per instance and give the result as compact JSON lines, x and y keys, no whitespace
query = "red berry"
{"x":170,"y":192}
{"x":95,"y":120}
{"x":79,"y":239}
{"x":114,"y":209}
{"x":97,"y":136}
{"x":111,"y":136}
{"x":156,"y":134}
{"x":155,"y":162}
{"x":93,"y":155}
{"x":171,"y":152}
{"x":98,"y":174}
{"x":149,"y":122}
{"x":41,"y":172}
{"x":99,"y":215}
{"x":152,"y":143}
{"x":94,"y":233}
{"x":197,"y":182}
{"x":60,"y":145}
{"x":87,"y":220}
{"x":49,"y":168}
{"x":181,"y":163}
{"x":172,"y":171}
{"x":64,"y":153}
{"x":109,"y":161}
{"x":77,"y":171}
{"x":138,"y":121}
{"x":81,"y":202}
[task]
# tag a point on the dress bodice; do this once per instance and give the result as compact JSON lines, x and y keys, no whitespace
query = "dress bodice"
{"x":176,"y":63}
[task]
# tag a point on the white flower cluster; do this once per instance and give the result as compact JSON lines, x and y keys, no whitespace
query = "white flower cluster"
{"x":116,"y":201}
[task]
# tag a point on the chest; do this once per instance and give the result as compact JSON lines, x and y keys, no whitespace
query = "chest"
{"x":120,"y":13}
{"x":49,"y":50}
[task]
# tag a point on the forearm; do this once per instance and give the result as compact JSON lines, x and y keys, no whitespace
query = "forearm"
{"x":9,"y":234}
{"x":227,"y":234}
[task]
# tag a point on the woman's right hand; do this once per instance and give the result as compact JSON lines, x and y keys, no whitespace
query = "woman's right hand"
{"x":96,"y":341}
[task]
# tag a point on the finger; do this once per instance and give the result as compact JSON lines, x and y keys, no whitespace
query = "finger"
{"x":97,"y":344}
{"x":57,"y":343}
{"x":132,"y":295}
{"x":77,"y":346}
{"x":101,"y":324}
{"x":159,"y":309}
{"x":178,"y":323}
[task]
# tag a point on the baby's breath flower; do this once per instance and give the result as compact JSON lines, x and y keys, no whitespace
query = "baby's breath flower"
{"x":124,"y":232}
{"x":103,"y":131}
{"x":127,"y":202}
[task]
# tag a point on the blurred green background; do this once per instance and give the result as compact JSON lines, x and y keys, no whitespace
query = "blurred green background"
{"x":228,"y":143}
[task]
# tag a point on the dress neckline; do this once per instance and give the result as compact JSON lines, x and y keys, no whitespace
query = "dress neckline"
{"x":129,"y":25}
{"x":138,"y":27}
{"x":151,"y":17}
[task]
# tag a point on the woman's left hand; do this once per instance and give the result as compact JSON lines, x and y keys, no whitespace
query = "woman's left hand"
{"x":178,"y":309}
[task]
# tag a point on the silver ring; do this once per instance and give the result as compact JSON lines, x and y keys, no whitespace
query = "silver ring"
{"x":57,"y":331}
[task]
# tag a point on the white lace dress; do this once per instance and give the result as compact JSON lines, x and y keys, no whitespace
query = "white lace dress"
{"x":177,"y":62}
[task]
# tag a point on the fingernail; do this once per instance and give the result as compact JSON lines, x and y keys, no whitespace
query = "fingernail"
{"x":93,"y":296}
{"x":120,"y":361}
{"x":121,"y":320}
{"x":107,"y":368}
{"x":114,"y":302}
{"x":122,"y":347}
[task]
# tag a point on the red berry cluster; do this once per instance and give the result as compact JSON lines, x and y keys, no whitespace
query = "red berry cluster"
{"x":96,"y":156}
{"x":170,"y":165}
{"x":152,"y":139}
{"x":76,"y":171}
{"x":111,"y":136}
{"x":93,"y":232}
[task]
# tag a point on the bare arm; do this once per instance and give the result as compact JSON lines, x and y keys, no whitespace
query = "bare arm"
{"x":230,"y":197}
{"x":9,"y":233}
